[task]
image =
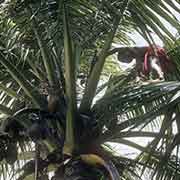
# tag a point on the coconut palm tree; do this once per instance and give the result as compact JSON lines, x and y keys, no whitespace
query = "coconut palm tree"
{"x":51,"y":123}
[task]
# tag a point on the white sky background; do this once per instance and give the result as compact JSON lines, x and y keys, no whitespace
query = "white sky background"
{"x":139,"y":41}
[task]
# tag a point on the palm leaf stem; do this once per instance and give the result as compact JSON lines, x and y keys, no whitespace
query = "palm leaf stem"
{"x":71,"y":117}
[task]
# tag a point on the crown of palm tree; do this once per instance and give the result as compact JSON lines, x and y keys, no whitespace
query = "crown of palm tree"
{"x":45,"y":46}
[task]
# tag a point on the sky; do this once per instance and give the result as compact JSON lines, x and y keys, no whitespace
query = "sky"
{"x":139,"y":41}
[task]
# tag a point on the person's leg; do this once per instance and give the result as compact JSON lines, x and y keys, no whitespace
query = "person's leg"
{"x":155,"y":65}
